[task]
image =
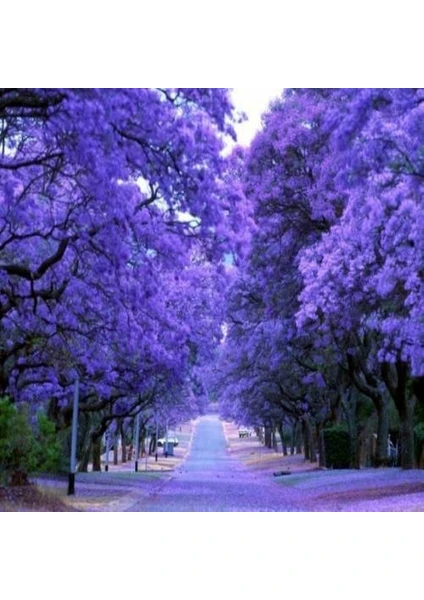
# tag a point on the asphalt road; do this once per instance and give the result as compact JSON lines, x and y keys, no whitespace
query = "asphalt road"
{"x":210,"y":480}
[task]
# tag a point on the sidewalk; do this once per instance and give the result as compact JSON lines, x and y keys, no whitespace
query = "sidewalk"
{"x":120,"y":487}
{"x":315,"y":489}
{"x":257,"y":457}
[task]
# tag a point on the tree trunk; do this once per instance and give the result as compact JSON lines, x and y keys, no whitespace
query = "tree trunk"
{"x":115,"y":448}
{"x":268,"y":437}
{"x":281,"y":434}
{"x":396,"y":379}
{"x":130,"y":452}
{"x":274,"y":439}
{"x":383,"y":423}
{"x":84,"y":443}
{"x":293,"y":438}
{"x":123,"y":443}
{"x":85,"y":459}
{"x":355,"y":454}
{"x":305,"y":440}
{"x":97,"y":453}
{"x":321,"y":445}
{"x":123,"y":450}
{"x":152,"y":445}
{"x":406,"y":417}
{"x":368,"y":384}
{"x":312,"y":446}
{"x":299,"y":439}
{"x":349,"y":406}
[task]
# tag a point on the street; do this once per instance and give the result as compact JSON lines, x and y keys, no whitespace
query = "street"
{"x":211,"y":480}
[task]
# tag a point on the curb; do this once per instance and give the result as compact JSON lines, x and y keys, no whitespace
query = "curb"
{"x":124,"y":504}
{"x":132,"y":499}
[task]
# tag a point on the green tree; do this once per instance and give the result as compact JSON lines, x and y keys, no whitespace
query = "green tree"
{"x":17,"y":444}
{"x":47,"y":445}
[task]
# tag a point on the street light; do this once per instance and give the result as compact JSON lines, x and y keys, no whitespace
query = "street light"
{"x":73,"y":461}
{"x":146,"y":447}
{"x":156,"y":440}
{"x":107,"y":450}
{"x":166,"y":439}
{"x":137,"y":438}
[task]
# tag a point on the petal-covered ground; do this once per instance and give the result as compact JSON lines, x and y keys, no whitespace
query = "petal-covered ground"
{"x":315,"y":489}
{"x":214,"y":470}
{"x":225,"y":473}
{"x":111,"y":491}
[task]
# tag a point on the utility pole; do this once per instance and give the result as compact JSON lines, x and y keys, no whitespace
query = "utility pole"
{"x":146,"y":447}
{"x":73,"y":465}
{"x":107,"y":450}
{"x":137,"y":440}
{"x":166,"y":439}
{"x":156,"y":441}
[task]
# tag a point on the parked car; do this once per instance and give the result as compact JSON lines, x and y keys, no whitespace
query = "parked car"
{"x":244,"y":432}
{"x":171,"y":440}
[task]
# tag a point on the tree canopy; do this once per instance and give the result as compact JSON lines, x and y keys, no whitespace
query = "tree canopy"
{"x":286,"y":278}
{"x":330,"y":298}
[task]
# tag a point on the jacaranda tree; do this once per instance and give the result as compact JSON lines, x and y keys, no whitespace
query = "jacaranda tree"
{"x":111,"y":209}
{"x":334,"y":283}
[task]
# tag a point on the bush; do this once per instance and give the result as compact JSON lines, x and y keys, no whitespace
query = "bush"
{"x":337,"y":447}
{"x":47,"y":445}
{"x":17,"y":443}
{"x":419,"y":444}
{"x":22,"y":451}
{"x":7,"y":414}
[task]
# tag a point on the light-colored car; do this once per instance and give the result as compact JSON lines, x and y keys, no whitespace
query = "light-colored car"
{"x":171,"y":440}
{"x":244,"y":432}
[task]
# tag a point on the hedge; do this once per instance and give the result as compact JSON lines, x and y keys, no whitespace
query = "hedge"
{"x":419,"y":444}
{"x":337,"y":447}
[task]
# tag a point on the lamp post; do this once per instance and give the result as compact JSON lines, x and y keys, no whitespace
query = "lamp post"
{"x":156,"y":440}
{"x":146,"y":447}
{"x":107,"y":451}
{"x":137,"y":440}
{"x":73,"y":461}
{"x":166,"y":439}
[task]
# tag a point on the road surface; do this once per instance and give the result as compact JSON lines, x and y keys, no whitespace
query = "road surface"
{"x":211,"y":480}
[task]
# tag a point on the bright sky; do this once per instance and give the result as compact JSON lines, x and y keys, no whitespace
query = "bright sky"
{"x":254,"y":102}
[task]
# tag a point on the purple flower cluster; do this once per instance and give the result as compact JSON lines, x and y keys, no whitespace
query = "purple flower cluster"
{"x":110,"y":262}
{"x":326,"y":314}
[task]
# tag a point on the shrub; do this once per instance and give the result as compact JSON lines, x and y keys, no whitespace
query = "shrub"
{"x":23,"y":451}
{"x":17,"y":443}
{"x":6,"y":416}
{"x":337,"y":447}
{"x":419,"y":444}
{"x":47,"y":445}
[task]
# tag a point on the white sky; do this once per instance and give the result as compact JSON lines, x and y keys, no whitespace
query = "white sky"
{"x":254,"y":102}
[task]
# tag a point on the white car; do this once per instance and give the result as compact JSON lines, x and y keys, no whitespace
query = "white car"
{"x":171,"y":440}
{"x":244,"y":432}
